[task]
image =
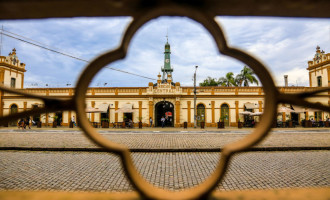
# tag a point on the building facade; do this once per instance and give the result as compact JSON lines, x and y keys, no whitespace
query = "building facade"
{"x":164,"y":98}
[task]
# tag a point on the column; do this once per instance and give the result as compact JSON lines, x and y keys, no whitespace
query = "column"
{"x":22,"y":83}
{"x":260,"y":106}
{"x":69,"y":117}
{"x":116,"y":108}
{"x":189,"y":112}
{"x":177,"y":114}
{"x":151,"y":111}
{"x":236,"y":111}
{"x":46,"y":118}
{"x":25,"y":105}
{"x":140,"y":111}
{"x":1,"y":104}
{"x":93,"y":106}
{"x":213,"y":112}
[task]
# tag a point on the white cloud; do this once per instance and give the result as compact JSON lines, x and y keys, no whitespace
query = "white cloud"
{"x":283,"y":44}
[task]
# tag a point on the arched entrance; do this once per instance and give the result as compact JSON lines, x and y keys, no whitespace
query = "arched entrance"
{"x":13,"y":110}
{"x":224,"y":115}
{"x":58,"y":118}
{"x":164,"y":108}
{"x":200,"y":114}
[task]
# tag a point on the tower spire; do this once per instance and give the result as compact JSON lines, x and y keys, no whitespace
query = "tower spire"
{"x":167,"y":35}
{"x":167,"y":69}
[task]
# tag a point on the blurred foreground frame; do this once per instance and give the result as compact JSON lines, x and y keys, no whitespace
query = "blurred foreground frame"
{"x":196,"y":9}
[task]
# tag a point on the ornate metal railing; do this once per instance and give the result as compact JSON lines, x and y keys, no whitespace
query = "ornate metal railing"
{"x":143,"y":11}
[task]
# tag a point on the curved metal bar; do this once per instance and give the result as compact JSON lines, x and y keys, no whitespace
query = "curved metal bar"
{"x":300,"y":100}
{"x":27,"y":95}
{"x":207,"y":20}
{"x":51,"y":105}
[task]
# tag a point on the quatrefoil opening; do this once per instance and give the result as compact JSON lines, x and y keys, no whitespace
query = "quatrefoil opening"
{"x":209,"y":23}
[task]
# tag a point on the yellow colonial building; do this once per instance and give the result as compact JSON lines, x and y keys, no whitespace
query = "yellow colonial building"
{"x":164,"y":98}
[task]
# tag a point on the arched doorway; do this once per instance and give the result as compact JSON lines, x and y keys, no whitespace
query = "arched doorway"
{"x":224,"y":114}
{"x":200,"y":114}
{"x":164,"y":108}
{"x":13,"y":110}
{"x":58,"y":118}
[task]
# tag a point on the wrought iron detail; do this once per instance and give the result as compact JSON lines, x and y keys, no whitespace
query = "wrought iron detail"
{"x":142,"y":13}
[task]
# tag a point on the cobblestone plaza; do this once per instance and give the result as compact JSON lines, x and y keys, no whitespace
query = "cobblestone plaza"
{"x":89,"y":170}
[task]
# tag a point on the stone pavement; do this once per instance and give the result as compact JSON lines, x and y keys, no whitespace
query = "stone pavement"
{"x":101,"y":171}
{"x":95,"y":171}
{"x":154,"y":139}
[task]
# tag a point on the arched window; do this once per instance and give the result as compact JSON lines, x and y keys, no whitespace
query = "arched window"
{"x":13,"y":109}
{"x":224,"y":115}
{"x":200,"y":114}
{"x":319,"y":81}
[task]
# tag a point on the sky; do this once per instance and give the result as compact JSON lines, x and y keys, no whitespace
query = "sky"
{"x":284,"y":45}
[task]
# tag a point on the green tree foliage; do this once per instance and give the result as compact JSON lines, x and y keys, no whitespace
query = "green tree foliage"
{"x":228,"y":80}
{"x":246,"y":76}
{"x":209,"y":82}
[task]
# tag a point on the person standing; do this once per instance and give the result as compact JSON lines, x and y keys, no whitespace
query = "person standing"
{"x":162,"y":120}
{"x":150,"y":122}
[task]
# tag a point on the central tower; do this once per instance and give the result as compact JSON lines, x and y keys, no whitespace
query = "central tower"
{"x":167,"y":69}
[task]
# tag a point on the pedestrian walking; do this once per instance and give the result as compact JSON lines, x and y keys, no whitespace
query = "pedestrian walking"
{"x":21,"y":124}
{"x":28,"y":122}
{"x":162,"y":120}
{"x":150,"y":122}
{"x":73,"y":121}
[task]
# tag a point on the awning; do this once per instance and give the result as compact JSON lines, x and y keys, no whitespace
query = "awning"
{"x":92,"y":110}
{"x":103,"y":108}
{"x":284,"y":109}
{"x":257,"y":114}
{"x":245,"y":113}
{"x":127,"y":108}
{"x":251,"y":105}
{"x":299,"y":109}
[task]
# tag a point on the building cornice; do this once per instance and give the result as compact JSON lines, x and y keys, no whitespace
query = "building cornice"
{"x":2,"y":64}
{"x":319,"y":65}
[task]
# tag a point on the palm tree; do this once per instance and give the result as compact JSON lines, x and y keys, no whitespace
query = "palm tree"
{"x":238,"y":80}
{"x":228,"y":80}
{"x":247,"y":76}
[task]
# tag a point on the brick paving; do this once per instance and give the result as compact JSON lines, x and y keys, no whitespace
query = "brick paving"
{"x":96,"y":171}
{"x":162,"y":140}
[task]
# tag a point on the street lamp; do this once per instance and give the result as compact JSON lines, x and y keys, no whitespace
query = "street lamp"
{"x":195,"y":117}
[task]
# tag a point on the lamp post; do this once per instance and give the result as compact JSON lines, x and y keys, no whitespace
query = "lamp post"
{"x":195,"y":117}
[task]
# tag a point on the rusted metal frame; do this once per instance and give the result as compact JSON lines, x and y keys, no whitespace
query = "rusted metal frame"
{"x":33,"y":9}
{"x":207,"y":20}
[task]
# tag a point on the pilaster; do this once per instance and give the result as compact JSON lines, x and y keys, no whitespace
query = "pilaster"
{"x":25,"y":105}
{"x":213,"y":112}
{"x":1,"y":103}
{"x":151,"y":111}
{"x":236,"y":111}
{"x":22,"y":83}
{"x":116,"y":108}
{"x":140,"y":109}
{"x":177,"y":114}
{"x":93,"y":114}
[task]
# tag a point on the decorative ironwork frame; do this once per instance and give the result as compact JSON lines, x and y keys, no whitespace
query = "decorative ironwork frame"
{"x":143,"y":11}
